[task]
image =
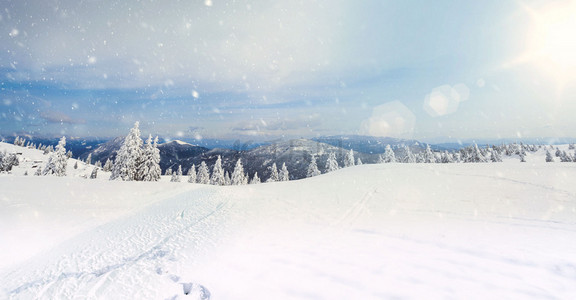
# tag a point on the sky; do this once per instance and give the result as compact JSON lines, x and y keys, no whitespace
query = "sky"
{"x":261,"y":70}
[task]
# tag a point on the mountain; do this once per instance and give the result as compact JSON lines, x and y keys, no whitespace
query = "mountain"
{"x":104,"y":151}
{"x":296,"y":154}
{"x":369,"y":144}
{"x":175,"y":153}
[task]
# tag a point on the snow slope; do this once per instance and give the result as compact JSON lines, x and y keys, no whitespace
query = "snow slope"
{"x":464,"y":231}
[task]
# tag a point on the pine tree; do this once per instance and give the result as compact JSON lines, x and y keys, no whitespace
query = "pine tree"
{"x":358,"y":161}
{"x":203,"y":175}
{"x":168,"y":172}
{"x":446,"y":158}
{"x":94,"y":173}
{"x":349,"y":160}
{"x":57,"y":161}
{"x":331,"y":163}
{"x":312,"y":168}
{"x":274,"y":176}
{"x":129,"y":156}
{"x":108,"y":165}
{"x":495,"y":156}
{"x":76,"y":165}
{"x":227,"y":180}
{"x":177,"y":176}
{"x":380,"y":159}
{"x":284,"y":175}
{"x":245,"y":179}
{"x":149,"y":169}
{"x":558,"y":152}
{"x":389,"y":156}
{"x":255,"y":179}
{"x":38,"y":171}
{"x":98,"y":164}
{"x":192,"y":174}
{"x":429,"y":156}
{"x":409,"y":156}
{"x":89,"y":159}
{"x":476,"y":155}
{"x":522,"y":157}
{"x":217,"y":177}
{"x":69,"y":154}
{"x":238,"y":174}
{"x":549,"y":157}
{"x":8,"y":161}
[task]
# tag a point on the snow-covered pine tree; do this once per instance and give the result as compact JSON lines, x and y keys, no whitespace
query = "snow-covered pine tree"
{"x":380,"y":159}
{"x":69,"y":154}
{"x":217,"y":177}
{"x":246,"y":179}
{"x":255,"y":179}
{"x":238,"y":174}
{"x":38,"y":171}
{"x":57,"y":161}
{"x":522,"y":157}
{"x":192,"y":174}
{"x":107,"y":165}
{"x":274,"y":176}
{"x":177,"y":176}
{"x":168,"y":172}
{"x":284,"y":174}
{"x":76,"y":165}
{"x":558,"y":152}
{"x":312,"y":168}
{"x":94,"y":173}
{"x":389,"y":156}
{"x":408,"y":155}
{"x":349,"y":159}
{"x":565,"y":157}
{"x":358,"y":161}
{"x":429,"y":156}
{"x":203,"y":175}
{"x":495,"y":156}
{"x":227,"y":180}
{"x":476,"y":155}
{"x":331,"y":163}
{"x":89,"y":159}
{"x":98,"y":164}
{"x":149,"y":168}
{"x":549,"y":157}
{"x":129,"y":156}
{"x":446,"y":158}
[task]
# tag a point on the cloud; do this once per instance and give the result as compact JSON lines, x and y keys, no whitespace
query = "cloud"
{"x":392,"y":119}
{"x":283,"y":124}
{"x":59,"y":117}
{"x":260,"y":44}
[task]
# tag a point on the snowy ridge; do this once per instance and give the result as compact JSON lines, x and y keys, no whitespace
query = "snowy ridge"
{"x":488,"y":230}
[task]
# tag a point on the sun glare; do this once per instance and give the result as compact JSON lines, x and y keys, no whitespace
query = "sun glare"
{"x":553,"y":39}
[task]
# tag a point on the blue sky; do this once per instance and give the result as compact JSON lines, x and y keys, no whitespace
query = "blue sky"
{"x":258,"y":70}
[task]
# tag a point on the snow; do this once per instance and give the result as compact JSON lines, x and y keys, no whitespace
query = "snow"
{"x":464,"y":231}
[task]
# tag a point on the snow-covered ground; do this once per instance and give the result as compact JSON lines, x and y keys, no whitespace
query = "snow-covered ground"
{"x":460,"y":231}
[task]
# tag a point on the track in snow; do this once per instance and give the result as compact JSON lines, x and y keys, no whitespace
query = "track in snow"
{"x":148,"y":241}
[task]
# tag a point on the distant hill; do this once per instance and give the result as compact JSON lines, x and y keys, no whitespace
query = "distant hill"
{"x":369,"y":144}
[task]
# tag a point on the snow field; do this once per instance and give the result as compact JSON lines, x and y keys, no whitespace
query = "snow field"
{"x":465,"y":231}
